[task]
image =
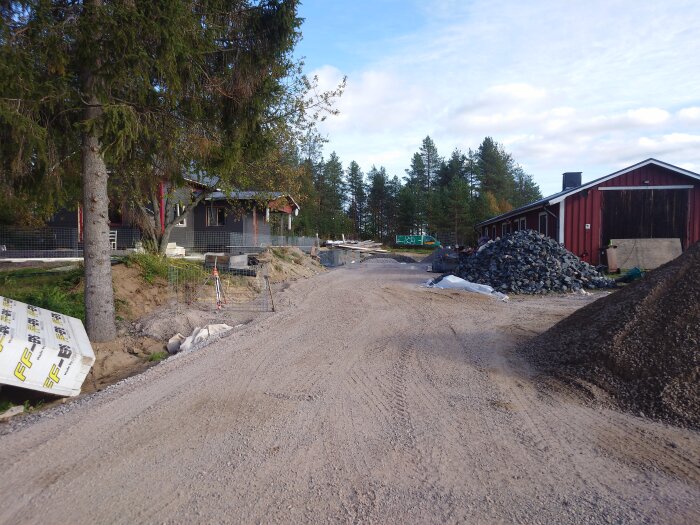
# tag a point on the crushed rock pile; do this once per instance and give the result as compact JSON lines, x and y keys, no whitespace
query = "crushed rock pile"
{"x":530,"y":263}
{"x":640,"y":344}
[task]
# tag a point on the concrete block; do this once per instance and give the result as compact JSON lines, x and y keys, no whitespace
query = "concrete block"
{"x":646,"y":254}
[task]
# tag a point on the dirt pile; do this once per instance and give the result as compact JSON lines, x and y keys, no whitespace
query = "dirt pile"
{"x":641,"y":344}
{"x":530,"y":263}
{"x":289,"y":264}
{"x":135,"y":297}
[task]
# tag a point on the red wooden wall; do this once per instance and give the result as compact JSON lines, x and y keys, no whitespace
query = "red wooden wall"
{"x":585,"y":208}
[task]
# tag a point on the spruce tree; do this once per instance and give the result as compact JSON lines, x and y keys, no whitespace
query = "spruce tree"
{"x":87,"y":84}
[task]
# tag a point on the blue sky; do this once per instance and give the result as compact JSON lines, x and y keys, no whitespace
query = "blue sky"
{"x":588,"y":86}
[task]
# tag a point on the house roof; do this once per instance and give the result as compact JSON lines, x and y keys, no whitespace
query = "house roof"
{"x":205,"y":182}
{"x":244,"y":195}
{"x":560,"y":196}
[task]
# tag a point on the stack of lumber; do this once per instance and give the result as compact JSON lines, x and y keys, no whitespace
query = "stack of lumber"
{"x":363,"y":246}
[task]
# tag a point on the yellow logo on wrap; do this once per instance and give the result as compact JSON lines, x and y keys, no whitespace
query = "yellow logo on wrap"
{"x":2,"y":340}
{"x":53,"y":377}
{"x":24,"y":363}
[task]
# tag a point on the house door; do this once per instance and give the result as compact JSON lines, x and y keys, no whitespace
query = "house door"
{"x":644,"y":214}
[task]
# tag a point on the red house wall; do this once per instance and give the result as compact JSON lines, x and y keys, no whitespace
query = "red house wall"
{"x":585,"y":208}
{"x":581,"y":209}
{"x":532,"y":219}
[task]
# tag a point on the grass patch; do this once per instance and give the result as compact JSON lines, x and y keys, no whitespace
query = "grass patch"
{"x":157,"y":356}
{"x":154,"y":266}
{"x":151,"y":265}
{"x":282,"y":253}
{"x":58,"y":291}
{"x":5,"y":404}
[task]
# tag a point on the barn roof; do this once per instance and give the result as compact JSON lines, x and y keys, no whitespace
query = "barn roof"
{"x":560,"y":196}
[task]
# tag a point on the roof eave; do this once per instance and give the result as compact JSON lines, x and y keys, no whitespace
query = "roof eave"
{"x":641,"y":164}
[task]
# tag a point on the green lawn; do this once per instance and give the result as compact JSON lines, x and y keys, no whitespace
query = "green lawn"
{"x":60,"y":291}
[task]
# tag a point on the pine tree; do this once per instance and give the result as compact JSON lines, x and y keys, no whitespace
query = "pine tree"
{"x":525,"y":190}
{"x":357,"y":198}
{"x":377,"y":200}
{"x":406,"y":222}
{"x":494,"y":167}
{"x":331,"y":191}
{"x":431,"y":162}
{"x":417,"y":180}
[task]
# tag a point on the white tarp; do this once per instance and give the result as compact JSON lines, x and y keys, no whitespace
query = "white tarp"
{"x":180,"y":343}
{"x":42,"y":350}
{"x":452,"y":282}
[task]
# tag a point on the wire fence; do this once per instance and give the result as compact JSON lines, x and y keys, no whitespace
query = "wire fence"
{"x":235,"y":242}
{"x":56,"y":242}
{"x":193,"y":286}
{"x":63,"y":242}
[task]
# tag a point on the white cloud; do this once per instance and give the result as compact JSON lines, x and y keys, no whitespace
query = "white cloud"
{"x":517,"y":91}
{"x":572,"y":86}
{"x":690,"y":114}
{"x":647,"y":116}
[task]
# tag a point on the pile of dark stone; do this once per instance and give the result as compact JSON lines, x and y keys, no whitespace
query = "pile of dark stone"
{"x":530,"y":263}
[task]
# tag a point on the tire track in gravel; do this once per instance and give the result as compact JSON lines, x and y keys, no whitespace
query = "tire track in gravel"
{"x":364,"y":399}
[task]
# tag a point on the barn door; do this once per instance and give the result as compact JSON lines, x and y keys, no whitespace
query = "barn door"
{"x":644,"y":214}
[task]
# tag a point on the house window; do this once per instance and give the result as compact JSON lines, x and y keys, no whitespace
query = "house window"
{"x":520,"y":224}
{"x":180,"y":212}
{"x":216,"y":216}
{"x":504,"y":229}
{"x":493,"y":230}
{"x":543,"y":223}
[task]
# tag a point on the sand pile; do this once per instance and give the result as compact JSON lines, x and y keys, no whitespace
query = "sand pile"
{"x":641,"y":344}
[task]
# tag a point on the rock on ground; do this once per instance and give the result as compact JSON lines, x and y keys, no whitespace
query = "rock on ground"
{"x":531,"y":263}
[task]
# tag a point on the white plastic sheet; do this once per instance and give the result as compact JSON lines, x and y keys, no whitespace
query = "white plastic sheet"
{"x":452,"y":282}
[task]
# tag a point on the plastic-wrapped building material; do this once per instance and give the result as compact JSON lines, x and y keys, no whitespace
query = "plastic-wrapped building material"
{"x":42,"y":350}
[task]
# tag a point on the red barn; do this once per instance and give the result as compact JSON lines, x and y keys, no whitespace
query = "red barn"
{"x":650,"y":200}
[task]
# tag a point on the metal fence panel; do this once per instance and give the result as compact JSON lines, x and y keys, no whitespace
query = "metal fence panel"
{"x":195,"y":286}
{"x":234,"y":242}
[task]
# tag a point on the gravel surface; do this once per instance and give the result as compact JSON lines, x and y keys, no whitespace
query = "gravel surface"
{"x":641,"y":344}
{"x":381,"y":257}
{"x":366,"y":398}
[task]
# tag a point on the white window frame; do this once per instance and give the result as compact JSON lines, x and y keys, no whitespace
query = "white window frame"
{"x":504,"y":229}
{"x":179,"y":211}
{"x":546,"y":223}
{"x":521,"y":223}
{"x":209,"y":216}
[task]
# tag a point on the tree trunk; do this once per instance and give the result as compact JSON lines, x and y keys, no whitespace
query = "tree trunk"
{"x":165,"y":238}
{"x":99,"y":294}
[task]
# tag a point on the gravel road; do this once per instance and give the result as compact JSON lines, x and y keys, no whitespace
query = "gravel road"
{"x":364,"y":399}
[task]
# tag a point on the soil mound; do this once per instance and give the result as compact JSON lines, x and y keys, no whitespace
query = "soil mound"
{"x":641,"y":344}
{"x":529,"y":262}
{"x":289,"y":264}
